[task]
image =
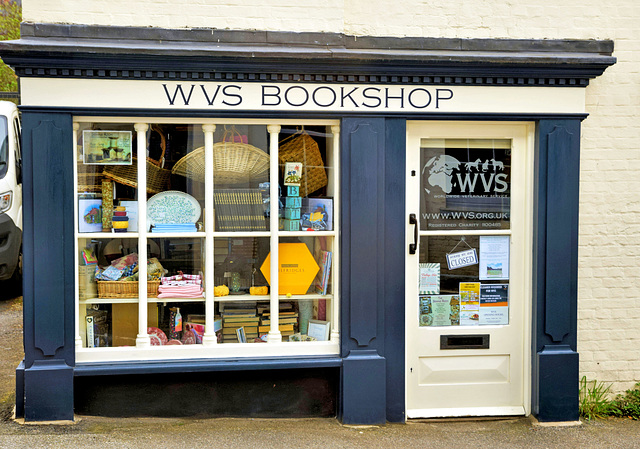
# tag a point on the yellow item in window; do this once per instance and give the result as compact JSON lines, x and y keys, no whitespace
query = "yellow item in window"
{"x":220,"y":290}
{"x":259,"y":290}
{"x":120,"y":224}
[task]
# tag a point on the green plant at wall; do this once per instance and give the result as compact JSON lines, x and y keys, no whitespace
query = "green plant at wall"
{"x":627,"y":405}
{"x":10,"y":18}
{"x":594,"y":399}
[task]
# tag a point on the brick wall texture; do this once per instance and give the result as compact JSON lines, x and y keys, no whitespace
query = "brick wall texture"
{"x":609,"y":258}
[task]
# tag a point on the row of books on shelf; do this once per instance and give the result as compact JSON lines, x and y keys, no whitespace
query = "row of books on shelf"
{"x":239,"y":210}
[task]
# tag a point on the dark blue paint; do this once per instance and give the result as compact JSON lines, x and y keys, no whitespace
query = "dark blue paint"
{"x":204,"y":365}
{"x":366,"y":144}
{"x":394,"y":264}
{"x":362,"y":176}
{"x":563,"y":176}
{"x":48,"y":393}
{"x":48,"y":284}
{"x":363,"y":388}
{"x":558,"y":384}
{"x":555,"y":249}
{"x":20,"y":390}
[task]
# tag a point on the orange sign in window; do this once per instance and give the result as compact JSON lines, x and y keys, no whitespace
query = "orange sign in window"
{"x":296,"y":268}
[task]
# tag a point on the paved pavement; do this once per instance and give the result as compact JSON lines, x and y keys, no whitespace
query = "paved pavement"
{"x":99,"y":432}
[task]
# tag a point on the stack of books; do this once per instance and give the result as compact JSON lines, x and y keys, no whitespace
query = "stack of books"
{"x":287,"y":322}
{"x":235,"y":318}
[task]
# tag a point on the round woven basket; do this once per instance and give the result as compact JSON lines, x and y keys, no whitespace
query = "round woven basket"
{"x":233,"y":163}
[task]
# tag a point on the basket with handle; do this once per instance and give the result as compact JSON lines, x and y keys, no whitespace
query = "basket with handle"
{"x":157,"y":176}
{"x":301,"y":147}
{"x":233,"y":162}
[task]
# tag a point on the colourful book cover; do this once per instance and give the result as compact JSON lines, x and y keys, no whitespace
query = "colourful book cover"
{"x":322,"y":279}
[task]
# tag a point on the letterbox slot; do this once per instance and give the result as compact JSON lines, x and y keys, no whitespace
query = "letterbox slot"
{"x":464,"y":341}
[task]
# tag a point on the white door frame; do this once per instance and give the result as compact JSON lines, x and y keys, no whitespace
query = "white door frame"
{"x":525,"y":198}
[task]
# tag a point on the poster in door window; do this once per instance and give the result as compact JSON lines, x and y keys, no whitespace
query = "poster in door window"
{"x":494,"y":304}
{"x":494,"y":257}
{"x":429,"y":283}
{"x":469,"y":303}
{"x":440,"y":310}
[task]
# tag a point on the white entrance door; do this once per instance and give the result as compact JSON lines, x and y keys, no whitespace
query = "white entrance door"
{"x":468,"y":268}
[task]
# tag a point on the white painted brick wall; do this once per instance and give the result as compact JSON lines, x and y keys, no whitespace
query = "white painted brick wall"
{"x":609,"y":263}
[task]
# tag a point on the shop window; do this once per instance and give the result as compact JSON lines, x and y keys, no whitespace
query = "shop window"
{"x":206,"y":239}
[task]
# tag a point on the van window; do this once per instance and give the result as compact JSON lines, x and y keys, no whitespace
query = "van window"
{"x":4,"y":147}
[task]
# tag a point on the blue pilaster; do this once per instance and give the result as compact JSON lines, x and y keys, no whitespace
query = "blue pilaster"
{"x":46,"y":376}
{"x":372,"y":270}
{"x":555,"y":276}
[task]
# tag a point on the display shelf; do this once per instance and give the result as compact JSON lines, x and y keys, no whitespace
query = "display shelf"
{"x":108,"y":235}
{"x":231,"y":298}
{"x":307,"y":233}
{"x":222,"y":234}
{"x":162,"y":235}
{"x":135,"y":300}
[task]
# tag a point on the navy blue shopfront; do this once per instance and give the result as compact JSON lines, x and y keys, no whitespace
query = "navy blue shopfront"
{"x":365,"y":382}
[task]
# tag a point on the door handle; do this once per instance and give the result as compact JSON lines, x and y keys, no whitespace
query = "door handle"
{"x":414,"y":221}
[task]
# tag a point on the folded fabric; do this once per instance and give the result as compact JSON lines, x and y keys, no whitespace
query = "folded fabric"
{"x":180,"y":291}
{"x":182,"y":279}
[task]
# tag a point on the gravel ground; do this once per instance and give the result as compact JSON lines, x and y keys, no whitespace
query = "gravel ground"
{"x":99,"y":432}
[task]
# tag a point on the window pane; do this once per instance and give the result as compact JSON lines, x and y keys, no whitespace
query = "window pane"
{"x":465,"y":184}
{"x":464,"y":280}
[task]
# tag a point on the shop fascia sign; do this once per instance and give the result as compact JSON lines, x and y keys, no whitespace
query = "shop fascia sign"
{"x":310,"y":97}
{"x":270,"y":96}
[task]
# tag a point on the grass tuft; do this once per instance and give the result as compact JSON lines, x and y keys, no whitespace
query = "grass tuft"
{"x":594,"y":399}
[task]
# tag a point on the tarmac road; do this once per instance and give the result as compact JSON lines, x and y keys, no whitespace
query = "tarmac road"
{"x":100,"y":432}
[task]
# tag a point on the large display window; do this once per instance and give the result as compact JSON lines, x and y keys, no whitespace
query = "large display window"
{"x":206,"y":239}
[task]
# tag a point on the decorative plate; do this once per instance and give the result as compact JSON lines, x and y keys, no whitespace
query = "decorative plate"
{"x":172,"y":207}
{"x":157,"y":336}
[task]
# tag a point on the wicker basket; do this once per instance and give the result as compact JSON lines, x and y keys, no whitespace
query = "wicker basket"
{"x":125,"y":289}
{"x":302,"y":148}
{"x":157,"y":177}
{"x":233,"y":162}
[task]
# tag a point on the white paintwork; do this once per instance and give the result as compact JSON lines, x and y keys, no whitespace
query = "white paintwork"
{"x":466,"y":411}
{"x":142,"y":339}
{"x":73,"y":92}
{"x":274,"y":334}
{"x":222,"y":351}
{"x":209,"y":338}
{"x":481,"y":381}
{"x":78,"y":338}
{"x":335,"y":269}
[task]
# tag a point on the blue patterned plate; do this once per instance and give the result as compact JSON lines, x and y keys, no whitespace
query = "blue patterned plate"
{"x":172,"y":206}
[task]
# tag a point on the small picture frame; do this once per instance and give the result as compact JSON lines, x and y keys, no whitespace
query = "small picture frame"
{"x":292,"y":173}
{"x":90,"y":215}
{"x":319,"y":330}
{"x":107,"y":147}
{"x":242,"y":338}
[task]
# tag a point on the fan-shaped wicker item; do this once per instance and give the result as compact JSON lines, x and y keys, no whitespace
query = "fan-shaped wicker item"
{"x":233,"y":163}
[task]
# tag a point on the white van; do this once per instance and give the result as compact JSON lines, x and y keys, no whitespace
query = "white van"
{"x":10,"y":193}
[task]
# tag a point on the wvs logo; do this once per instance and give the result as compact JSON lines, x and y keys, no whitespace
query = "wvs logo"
{"x":452,"y":176}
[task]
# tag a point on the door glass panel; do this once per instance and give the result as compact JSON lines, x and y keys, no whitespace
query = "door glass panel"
{"x":464,"y":280}
{"x":465,"y":184}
